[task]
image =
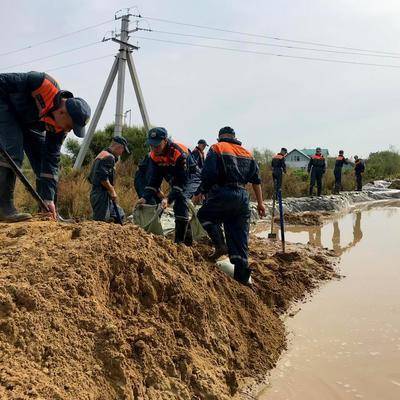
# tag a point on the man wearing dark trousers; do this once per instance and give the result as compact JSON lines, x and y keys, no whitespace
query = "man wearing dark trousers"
{"x":170,"y":161}
{"x":227,"y":169}
{"x":102,"y":178}
{"x":35,"y":117}
{"x":339,"y":163}
{"x":359,"y":169}
{"x":316,"y":169}
{"x":278,"y":169}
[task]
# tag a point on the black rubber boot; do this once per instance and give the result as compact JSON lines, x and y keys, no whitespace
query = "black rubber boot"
{"x":242,"y":275}
{"x":8,"y":213}
{"x":180,"y":230}
{"x":218,"y":239}
{"x":189,"y":236}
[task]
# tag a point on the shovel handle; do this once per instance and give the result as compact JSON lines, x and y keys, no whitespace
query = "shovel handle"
{"x":23,"y":179}
{"x":281,"y":219}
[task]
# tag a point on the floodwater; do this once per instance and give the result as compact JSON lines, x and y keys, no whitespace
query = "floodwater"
{"x":345,"y":342}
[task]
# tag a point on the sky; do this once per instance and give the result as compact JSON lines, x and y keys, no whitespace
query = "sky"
{"x":192,"y":91}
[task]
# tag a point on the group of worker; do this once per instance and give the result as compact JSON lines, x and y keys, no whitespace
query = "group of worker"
{"x":35,"y":117}
{"x":316,"y":169}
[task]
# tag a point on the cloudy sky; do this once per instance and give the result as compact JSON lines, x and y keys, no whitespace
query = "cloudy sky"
{"x":193,"y":91}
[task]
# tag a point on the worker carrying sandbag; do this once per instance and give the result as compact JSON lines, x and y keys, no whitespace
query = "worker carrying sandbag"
{"x":35,"y":117}
{"x":227,"y":169}
{"x":170,"y":161}
{"x":102,"y":178}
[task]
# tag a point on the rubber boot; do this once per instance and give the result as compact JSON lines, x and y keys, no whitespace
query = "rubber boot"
{"x":180,"y":230}
{"x":218,"y":239}
{"x":8,"y":213}
{"x":242,"y":274}
{"x":189,"y":236}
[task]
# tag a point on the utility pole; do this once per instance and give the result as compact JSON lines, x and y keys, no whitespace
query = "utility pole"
{"x":123,"y":57}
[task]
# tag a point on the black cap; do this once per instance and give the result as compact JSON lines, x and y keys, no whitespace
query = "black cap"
{"x":121,"y":140}
{"x":226,"y":130}
{"x":156,"y":135}
{"x":283,"y":150}
{"x":79,"y":111}
{"x":202,"y":141}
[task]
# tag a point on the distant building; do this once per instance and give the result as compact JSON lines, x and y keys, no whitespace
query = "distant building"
{"x":299,"y":159}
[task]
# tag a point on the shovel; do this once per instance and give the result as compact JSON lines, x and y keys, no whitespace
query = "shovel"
{"x":23,"y":179}
{"x":281,"y":218}
{"x":272,"y":235}
{"x":117,"y":214}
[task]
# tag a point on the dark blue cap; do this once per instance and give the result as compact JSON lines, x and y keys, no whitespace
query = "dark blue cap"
{"x":156,"y":135}
{"x":226,"y":130}
{"x":79,"y":112}
{"x":121,"y":140}
{"x":202,"y":141}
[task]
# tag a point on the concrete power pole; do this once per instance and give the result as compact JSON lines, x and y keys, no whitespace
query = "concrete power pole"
{"x":123,"y":57}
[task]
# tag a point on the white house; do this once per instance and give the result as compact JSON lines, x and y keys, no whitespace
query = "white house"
{"x":299,"y":159}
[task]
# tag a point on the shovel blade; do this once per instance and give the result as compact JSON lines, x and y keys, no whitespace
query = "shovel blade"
{"x":271,"y":235}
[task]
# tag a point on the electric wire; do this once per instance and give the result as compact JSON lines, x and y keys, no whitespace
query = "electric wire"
{"x":270,"y":54}
{"x":80,"y":62}
{"x":56,"y":38}
{"x":273,"y":37}
{"x":52,"y":55}
{"x":271,"y":44}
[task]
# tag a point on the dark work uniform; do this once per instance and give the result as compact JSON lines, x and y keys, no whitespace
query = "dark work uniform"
{"x":103,"y":169}
{"x":227,"y":169}
{"x":26,"y":124}
{"x":340,"y":161}
{"x":359,"y":169}
{"x":316,"y":167}
{"x":278,"y":168}
{"x":141,"y":180}
{"x":173,"y":167}
{"x":194,"y":181}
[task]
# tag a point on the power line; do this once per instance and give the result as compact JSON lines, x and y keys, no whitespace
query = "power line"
{"x":52,"y":55}
{"x":79,"y":63}
{"x":56,"y":38}
{"x":167,"y":21}
{"x":271,"y":44}
{"x":271,"y":54}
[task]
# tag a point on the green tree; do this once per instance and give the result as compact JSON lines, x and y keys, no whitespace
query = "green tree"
{"x":136,"y":137}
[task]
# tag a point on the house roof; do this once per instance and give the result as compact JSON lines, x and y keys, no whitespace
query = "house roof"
{"x":299,"y":151}
{"x":310,"y":152}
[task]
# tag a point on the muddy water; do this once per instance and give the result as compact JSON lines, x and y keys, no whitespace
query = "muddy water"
{"x":345,"y":342}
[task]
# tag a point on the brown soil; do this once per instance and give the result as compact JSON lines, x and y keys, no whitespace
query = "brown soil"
{"x":307,"y":218}
{"x":99,"y":311}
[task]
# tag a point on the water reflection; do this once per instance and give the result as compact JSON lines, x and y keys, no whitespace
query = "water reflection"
{"x":315,"y":234}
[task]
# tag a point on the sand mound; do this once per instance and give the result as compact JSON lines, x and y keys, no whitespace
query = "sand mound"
{"x":98,"y":311}
{"x":307,"y":218}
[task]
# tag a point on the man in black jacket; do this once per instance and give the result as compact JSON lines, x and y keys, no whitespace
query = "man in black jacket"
{"x":339,"y":163}
{"x":102,"y":178}
{"x":278,"y":168}
{"x":359,"y":169}
{"x":35,"y":117}
{"x":316,"y":169}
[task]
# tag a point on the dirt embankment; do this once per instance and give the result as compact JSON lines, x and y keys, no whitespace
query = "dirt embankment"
{"x":98,"y":311}
{"x":307,"y":218}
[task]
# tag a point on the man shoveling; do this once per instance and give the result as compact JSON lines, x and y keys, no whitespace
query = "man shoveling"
{"x":35,"y":117}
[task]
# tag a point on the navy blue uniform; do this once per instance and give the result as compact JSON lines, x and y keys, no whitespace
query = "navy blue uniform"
{"x":316,"y":167}
{"x":194,"y":181}
{"x":141,"y":180}
{"x":26,"y":102}
{"x":228,"y":167}
{"x":359,"y":169}
{"x":103,"y":169}
{"x":278,"y":168}
{"x":173,"y":167}
{"x":339,"y":163}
